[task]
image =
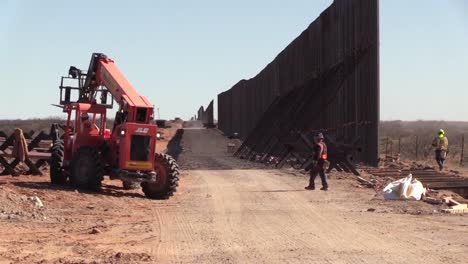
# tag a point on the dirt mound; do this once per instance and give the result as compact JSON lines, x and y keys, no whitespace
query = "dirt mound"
{"x":173,"y":146}
{"x":167,"y":134}
{"x":15,"y":206}
{"x":119,"y":258}
{"x":193,"y":124}
{"x":207,"y":149}
{"x":131,"y":257}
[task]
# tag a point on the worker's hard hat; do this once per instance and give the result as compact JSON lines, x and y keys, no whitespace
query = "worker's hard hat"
{"x":441,"y":133}
{"x":319,"y":136}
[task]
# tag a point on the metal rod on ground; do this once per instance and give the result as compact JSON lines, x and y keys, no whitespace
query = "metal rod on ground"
{"x":423,"y":150}
{"x":416,"y":147}
{"x":391,"y":148}
{"x":462,"y":155}
{"x":386,"y":148}
{"x":399,"y":144}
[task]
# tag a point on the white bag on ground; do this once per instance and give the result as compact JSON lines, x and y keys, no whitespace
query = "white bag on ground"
{"x":405,"y":189}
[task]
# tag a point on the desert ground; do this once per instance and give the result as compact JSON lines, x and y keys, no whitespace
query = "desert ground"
{"x":226,"y":210}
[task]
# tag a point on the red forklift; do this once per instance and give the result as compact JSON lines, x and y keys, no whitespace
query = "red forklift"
{"x":89,"y":150}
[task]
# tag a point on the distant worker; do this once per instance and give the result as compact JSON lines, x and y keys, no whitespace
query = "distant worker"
{"x":441,"y":148}
{"x":318,"y":165}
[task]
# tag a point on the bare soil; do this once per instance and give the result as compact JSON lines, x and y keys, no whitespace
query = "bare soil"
{"x":225,"y":211}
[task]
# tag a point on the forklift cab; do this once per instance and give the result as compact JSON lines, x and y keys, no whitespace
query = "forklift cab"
{"x":86,"y":125}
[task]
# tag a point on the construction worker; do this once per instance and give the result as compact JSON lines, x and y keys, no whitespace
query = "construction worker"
{"x":441,"y":148}
{"x":87,"y":127}
{"x":318,"y":165}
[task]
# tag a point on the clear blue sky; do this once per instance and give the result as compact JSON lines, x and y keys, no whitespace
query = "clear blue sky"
{"x":180,"y":54}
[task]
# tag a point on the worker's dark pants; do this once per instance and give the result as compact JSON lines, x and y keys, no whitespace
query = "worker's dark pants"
{"x":440,"y":158}
{"x":318,"y":170}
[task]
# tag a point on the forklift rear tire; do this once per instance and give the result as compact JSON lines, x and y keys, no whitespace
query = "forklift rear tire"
{"x":57,"y":174}
{"x":86,"y":170}
{"x":167,"y":172}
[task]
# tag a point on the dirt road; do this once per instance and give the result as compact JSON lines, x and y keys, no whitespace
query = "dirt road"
{"x":226,"y":211}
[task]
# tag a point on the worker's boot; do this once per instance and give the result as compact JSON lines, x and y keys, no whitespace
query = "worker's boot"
{"x":324,"y":188}
{"x":311,"y":188}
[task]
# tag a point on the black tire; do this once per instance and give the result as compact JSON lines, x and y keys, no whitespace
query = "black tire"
{"x":86,"y":169}
{"x":57,"y":174}
{"x":167,"y":172}
{"x":296,"y":165}
{"x":129,"y":185}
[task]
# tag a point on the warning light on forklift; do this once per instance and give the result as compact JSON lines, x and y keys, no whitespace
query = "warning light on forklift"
{"x":122,"y":132}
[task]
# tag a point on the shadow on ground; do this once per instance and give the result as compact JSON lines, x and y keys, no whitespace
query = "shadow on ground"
{"x":109,"y":190}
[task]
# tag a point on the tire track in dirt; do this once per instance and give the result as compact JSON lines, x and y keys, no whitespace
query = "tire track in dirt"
{"x":187,"y":234}
{"x":286,"y":222}
{"x":327,"y":223}
{"x":157,"y":231}
{"x":258,"y":212}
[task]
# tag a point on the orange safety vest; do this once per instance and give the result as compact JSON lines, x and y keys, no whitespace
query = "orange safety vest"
{"x":323,"y":151}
